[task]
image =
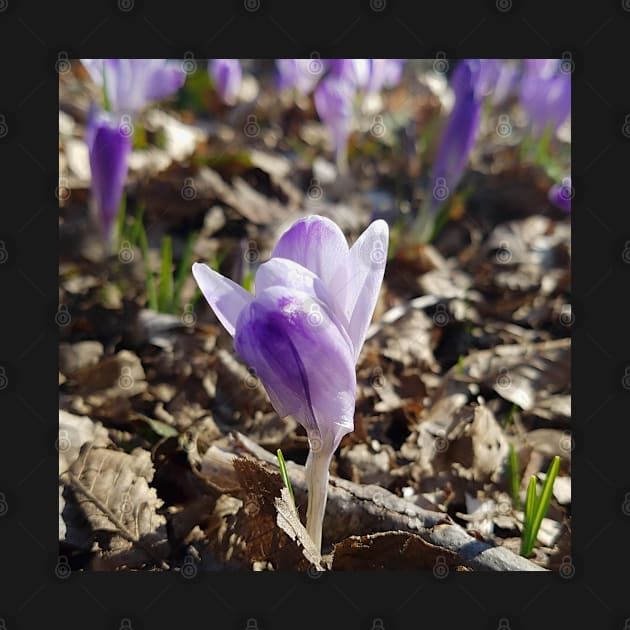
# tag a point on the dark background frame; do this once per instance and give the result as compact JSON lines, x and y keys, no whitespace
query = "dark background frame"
{"x":592,"y":591}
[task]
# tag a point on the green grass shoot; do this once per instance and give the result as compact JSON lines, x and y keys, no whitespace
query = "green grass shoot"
{"x":143,"y":242}
{"x":536,"y":507}
{"x":183,"y":269}
{"x":121,"y":218}
{"x":165,"y":291}
{"x":285,"y":477}
{"x":515,"y":485}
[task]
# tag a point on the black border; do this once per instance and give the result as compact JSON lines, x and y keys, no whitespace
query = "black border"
{"x":589,"y":593}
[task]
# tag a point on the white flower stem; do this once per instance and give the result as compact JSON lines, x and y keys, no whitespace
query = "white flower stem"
{"x":317,"y":465}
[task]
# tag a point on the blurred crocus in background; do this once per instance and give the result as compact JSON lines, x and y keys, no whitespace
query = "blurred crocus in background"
{"x":545,"y":94}
{"x":227,"y":75}
{"x":383,"y":73}
{"x":301,"y":75}
{"x":336,"y":84}
{"x":128,"y":86}
{"x":560,"y":195}
{"x":109,"y":146}
{"x":303,"y":331}
{"x":469,"y":83}
{"x":334,"y":102}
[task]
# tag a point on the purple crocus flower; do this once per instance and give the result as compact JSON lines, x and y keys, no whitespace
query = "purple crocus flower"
{"x":228,"y":76}
{"x":384,"y":73}
{"x":303,"y":331}
{"x":507,"y":81}
{"x":560,"y":195}
{"x":132,"y":83}
{"x":457,"y":141}
{"x":334,"y":104}
{"x":109,"y":144}
{"x":300,"y":74}
{"x":545,"y":94}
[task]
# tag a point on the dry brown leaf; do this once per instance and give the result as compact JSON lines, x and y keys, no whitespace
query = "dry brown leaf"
{"x":289,"y":521}
{"x":245,"y":530}
{"x":112,"y":489}
{"x":520,"y":373}
{"x":118,"y":376}
{"x":74,"y":432}
{"x":76,"y":356}
{"x":391,"y":550}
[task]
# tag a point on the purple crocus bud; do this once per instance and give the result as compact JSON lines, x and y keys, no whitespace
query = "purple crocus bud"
{"x":131,"y":84}
{"x":109,"y":144}
{"x":545,"y":94}
{"x":300,"y":74}
{"x":334,"y":104}
{"x":383,"y":73}
{"x":507,"y":81}
{"x":461,"y":129}
{"x":303,"y":331}
{"x":560,"y":195}
{"x":457,"y":141}
{"x":228,"y":76}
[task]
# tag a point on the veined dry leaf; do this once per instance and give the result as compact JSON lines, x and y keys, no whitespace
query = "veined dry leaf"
{"x":74,"y":432}
{"x":112,"y":489}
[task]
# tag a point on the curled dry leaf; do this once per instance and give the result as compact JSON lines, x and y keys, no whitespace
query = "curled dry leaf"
{"x":112,"y":489}
{"x":520,"y":373}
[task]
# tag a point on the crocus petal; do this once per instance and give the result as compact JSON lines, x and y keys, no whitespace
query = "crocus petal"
{"x":165,"y":80}
{"x":226,"y":298}
{"x":228,"y":76}
{"x":460,"y":133}
{"x":132,"y":83}
{"x":333,"y":101}
{"x":318,"y":244}
{"x":301,"y":74}
{"x":545,"y":94}
{"x":109,"y":146}
{"x":302,"y":358}
{"x":560,"y":195}
{"x":367,"y":260}
{"x":282,"y":272}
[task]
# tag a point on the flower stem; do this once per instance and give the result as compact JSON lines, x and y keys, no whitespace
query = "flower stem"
{"x":317,"y":465}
